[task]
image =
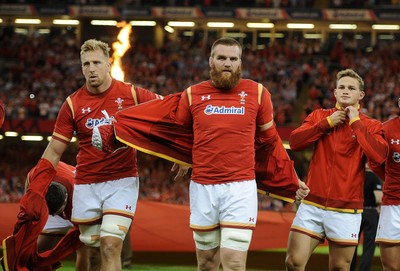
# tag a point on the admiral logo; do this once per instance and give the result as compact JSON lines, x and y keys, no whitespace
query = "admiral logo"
{"x":222,"y":110}
{"x":90,"y":123}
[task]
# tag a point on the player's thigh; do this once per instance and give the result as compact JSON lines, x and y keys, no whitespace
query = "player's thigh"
{"x":340,"y":256}
{"x":390,"y":256}
{"x":300,"y":247}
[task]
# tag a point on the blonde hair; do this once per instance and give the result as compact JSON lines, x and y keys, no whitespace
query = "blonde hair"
{"x":93,"y":44}
{"x":351,"y":73}
{"x":228,"y":42}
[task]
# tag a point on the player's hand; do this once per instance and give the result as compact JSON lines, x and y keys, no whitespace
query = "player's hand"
{"x":182,"y":171}
{"x":352,"y":112}
{"x":302,"y":192}
{"x":338,"y":117}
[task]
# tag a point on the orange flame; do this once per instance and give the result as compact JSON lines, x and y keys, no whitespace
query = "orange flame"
{"x":120,"y":47}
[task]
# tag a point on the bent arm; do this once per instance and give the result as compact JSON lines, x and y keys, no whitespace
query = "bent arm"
{"x":309,"y":132}
{"x":372,"y":142}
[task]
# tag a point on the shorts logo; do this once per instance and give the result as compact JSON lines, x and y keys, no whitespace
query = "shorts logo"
{"x":128,"y":207}
{"x":354,"y":235}
{"x":251,"y":219}
{"x":222,"y":110}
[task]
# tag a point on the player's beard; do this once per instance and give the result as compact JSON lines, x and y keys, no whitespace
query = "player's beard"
{"x":225,"y":82}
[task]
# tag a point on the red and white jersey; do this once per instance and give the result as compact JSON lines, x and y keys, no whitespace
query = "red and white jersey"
{"x":391,"y":185}
{"x":81,"y":111}
{"x":224,"y":125}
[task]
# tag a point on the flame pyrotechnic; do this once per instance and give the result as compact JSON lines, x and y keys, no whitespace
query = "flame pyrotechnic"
{"x":120,"y":47}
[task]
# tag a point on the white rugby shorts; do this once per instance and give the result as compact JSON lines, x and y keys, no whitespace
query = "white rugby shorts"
{"x":337,"y":227}
{"x":91,"y":201}
{"x":57,"y":225}
{"x":231,"y":205}
{"x":389,"y":225}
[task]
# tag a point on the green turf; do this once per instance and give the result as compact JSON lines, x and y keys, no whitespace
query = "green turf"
{"x":325,"y":250}
{"x":69,"y":266}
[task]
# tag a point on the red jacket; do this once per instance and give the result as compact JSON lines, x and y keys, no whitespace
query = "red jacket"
{"x":336,"y":170}
{"x":152,"y":128}
{"x":20,"y":248}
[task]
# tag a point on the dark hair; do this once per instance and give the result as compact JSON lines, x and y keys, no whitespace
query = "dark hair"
{"x":55,"y":197}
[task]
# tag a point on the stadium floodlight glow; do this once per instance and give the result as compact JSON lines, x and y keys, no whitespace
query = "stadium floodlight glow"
{"x":276,"y":35}
{"x":1,"y":20}
{"x":31,"y":138}
{"x":188,"y":33}
{"x":104,"y":22}
{"x":343,"y":26}
{"x":42,"y":31}
{"x":27,"y":21}
{"x":260,"y":25}
{"x":180,"y":24}
{"x":386,"y":27}
{"x":300,"y":26}
{"x":286,"y":145}
{"x":11,"y":134}
{"x":386,"y":37}
{"x":143,"y":23}
{"x":169,"y":29}
{"x":312,"y":36}
{"x":65,"y":22}
{"x":22,"y":31}
{"x":235,"y":35}
{"x":1,"y":137}
{"x":220,"y":24}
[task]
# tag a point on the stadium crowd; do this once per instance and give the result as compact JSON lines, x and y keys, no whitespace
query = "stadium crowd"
{"x":39,"y":72}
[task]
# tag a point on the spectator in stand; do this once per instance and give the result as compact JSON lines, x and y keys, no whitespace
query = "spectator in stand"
{"x":343,"y":138}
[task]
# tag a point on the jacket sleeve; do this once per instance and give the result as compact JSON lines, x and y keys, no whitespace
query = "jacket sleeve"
{"x":309,"y":132}
{"x":372,"y":142}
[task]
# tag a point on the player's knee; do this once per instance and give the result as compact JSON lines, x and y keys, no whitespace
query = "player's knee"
{"x":293,"y":263}
{"x":116,"y":226}
{"x":90,"y":235}
{"x":237,"y":239}
{"x":206,"y":240}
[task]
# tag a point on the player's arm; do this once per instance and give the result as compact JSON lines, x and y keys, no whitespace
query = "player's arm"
{"x":54,"y":151}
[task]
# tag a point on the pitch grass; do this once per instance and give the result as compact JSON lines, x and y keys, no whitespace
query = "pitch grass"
{"x":69,"y":266}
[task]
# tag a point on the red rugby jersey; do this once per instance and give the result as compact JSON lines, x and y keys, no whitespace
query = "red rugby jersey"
{"x":224,"y":126}
{"x":81,"y":111}
{"x":390,"y":171}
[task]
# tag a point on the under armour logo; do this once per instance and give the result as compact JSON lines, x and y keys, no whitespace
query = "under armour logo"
{"x":208,"y":97}
{"x":251,"y":219}
{"x":128,"y":207}
{"x":354,"y":235}
{"x":87,"y":110}
{"x":392,"y":141}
